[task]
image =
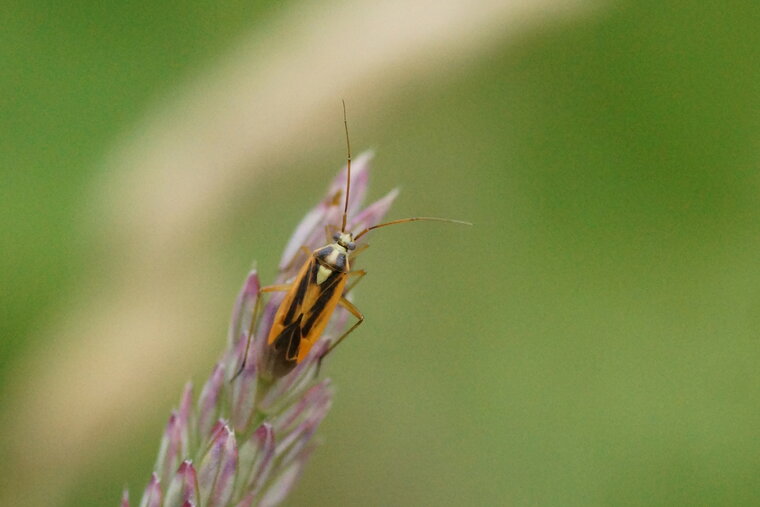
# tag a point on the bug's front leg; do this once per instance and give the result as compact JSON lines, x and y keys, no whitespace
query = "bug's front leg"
{"x":330,"y":229}
{"x":254,"y":319}
{"x":359,"y":249}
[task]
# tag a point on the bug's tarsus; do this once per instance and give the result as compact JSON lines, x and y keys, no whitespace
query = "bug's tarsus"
{"x":348,"y":167}
{"x":254,"y":317}
{"x":319,"y":366}
{"x":242,"y":364}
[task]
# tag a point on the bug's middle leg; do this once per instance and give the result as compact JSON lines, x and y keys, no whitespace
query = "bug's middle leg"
{"x":256,"y":310}
{"x":359,"y":274}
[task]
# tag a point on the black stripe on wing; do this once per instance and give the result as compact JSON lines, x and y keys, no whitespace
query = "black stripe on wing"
{"x":300,"y":294}
{"x":289,"y":340}
{"x":328,"y":287}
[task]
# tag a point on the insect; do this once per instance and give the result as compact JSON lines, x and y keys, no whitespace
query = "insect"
{"x":317,"y":290}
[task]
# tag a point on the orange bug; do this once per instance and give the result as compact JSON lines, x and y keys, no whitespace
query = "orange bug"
{"x":314,"y":294}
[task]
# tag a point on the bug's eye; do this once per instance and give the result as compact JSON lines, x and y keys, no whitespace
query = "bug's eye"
{"x":336,"y":236}
{"x":351,"y":245}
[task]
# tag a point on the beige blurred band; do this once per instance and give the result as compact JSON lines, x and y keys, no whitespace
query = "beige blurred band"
{"x":161,"y":192}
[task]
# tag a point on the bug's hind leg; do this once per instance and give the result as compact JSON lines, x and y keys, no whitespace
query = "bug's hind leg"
{"x":348,"y":305}
{"x":255,"y":318}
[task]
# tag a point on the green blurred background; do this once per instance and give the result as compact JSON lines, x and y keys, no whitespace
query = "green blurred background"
{"x":593,"y":340}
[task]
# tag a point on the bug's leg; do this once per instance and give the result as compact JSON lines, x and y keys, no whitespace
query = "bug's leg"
{"x":345,"y":303}
{"x":359,"y":249}
{"x":304,"y":250}
{"x":255,"y":318}
{"x":348,"y":305}
{"x":359,"y":274}
{"x":330,"y":229}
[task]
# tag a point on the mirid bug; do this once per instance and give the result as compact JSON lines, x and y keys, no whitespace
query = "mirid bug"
{"x":317,"y":290}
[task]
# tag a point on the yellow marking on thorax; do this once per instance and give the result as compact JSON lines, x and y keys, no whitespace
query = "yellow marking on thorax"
{"x":322,"y":274}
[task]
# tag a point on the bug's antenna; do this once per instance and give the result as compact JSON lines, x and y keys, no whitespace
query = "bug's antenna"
{"x":348,"y":168}
{"x":412,"y":219}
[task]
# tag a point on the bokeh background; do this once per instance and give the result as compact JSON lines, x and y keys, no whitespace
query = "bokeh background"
{"x":593,"y":340}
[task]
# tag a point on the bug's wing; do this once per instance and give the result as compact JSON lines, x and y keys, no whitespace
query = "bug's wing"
{"x":291,"y":307}
{"x":287,"y":343}
{"x":318,"y":306}
{"x":284,"y":340}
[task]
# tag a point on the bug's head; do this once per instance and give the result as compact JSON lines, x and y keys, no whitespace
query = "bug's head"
{"x":344,"y":240}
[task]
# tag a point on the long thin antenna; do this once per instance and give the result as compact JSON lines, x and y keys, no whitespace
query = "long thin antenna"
{"x":348,"y":168}
{"x":412,"y":219}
